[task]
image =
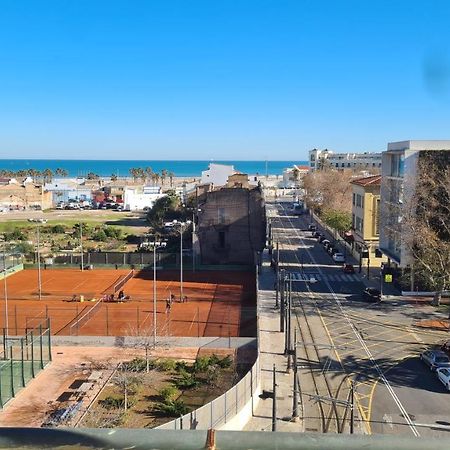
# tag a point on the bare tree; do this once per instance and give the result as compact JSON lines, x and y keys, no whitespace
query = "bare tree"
{"x":128,"y":382}
{"x":426,"y":222}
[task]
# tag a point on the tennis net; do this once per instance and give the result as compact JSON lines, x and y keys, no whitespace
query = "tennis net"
{"x":120,"y":284}
{"x":84,"y":318}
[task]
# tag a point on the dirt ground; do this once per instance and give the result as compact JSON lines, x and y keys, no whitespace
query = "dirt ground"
{"x":49,"y":390}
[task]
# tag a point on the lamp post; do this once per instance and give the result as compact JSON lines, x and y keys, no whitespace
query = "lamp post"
{"x":154,"y":293}
{"x":181,"y":224}
{"x":5,"y":287}
{"x":81,"y":245}
{"x":37,"y":222}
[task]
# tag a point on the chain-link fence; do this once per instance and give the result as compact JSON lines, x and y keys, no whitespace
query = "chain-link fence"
{"x":22,"y":359}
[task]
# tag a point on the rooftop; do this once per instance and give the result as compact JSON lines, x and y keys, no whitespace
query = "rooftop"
{"x":374,"y":180}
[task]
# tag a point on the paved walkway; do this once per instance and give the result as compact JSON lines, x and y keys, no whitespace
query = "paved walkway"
{"x":272,"y":352}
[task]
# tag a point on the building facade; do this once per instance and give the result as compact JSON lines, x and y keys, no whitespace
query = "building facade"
{"x":320,"y":159}
{"x":366,"y":219}
{"x":217,"y":174}
{"x":399,"y":175}
{"x":231,"y":225}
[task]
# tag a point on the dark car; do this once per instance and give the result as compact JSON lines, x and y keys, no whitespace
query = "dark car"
{"x":372,"y":295}
{"x":321,"y":238}
{"x":312,"y":227}
{"x":348,"y":268}
{"x":316,"y":234}
{"x":333,"y":250}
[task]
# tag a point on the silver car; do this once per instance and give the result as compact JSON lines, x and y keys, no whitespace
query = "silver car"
{"x":435,"y":359}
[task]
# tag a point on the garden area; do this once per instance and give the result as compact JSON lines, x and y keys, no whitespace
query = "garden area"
{"x":147,"y":393}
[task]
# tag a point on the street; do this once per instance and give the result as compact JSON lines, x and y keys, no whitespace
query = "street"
{"x":343,"y":341}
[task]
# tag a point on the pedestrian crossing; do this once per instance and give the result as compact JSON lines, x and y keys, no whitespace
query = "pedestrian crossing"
{"x":341,"y":277}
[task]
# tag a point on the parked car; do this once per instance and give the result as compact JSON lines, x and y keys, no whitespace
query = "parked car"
{"x":445,"y":347}
{"x":339,"y":257}
{"x":443,"y":375}
{"x":332,"y":250}
{"x":325,"y":242}
{"x":372,"y":295}
{"x":321,"y":238}
{"x":348,"y":268}
{"x":316,"y":234}
{"x":435,"y":359}
{"x":312,"y":227}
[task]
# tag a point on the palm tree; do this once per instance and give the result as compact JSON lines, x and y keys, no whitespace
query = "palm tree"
{"x":47,"y":175}
{"x":171,"y":175}
{"x":113,"y":177}
{"x":148,"y":173}
{"x":134,"y":173}
{"x":163,"y":176}
{"x":142,"y":174}
{"x":61,"y":172}
{"x":155,"y":177}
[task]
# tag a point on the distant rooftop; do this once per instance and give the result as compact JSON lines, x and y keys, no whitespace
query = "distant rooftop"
{"x":420,"y":145}
{"x":374,"y":180}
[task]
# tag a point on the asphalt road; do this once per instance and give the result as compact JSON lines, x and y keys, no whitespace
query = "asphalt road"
{"x":376,"y":344}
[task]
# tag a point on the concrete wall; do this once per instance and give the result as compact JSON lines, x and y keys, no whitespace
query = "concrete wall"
{"x":231,"y":226}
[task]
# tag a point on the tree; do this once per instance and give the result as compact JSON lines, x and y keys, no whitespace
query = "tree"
{"x":47,"y":175}
{"x":161,"y":207}
{"x":163,"y":176}
{"x":148,"y":173}
{"x":61,"y":172}
{"x":328,"y":189}
{"x":113,"y":177}
{"x":92,"y":176}
{"x":425,"y":222}
{"x":127,"y":382}
{"x":340,"y":221}
{"x":171,"y":175}
{"x":155,"y":178}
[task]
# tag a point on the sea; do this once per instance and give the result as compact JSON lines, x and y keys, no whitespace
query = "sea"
{"x":121,"y":168}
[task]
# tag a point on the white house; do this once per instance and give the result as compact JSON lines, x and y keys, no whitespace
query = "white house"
{"x":140,"y":198}
{"x":217,"y":174}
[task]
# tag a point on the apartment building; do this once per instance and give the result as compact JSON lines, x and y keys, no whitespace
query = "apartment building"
{"x":366,"y":219}
{"x":320,"y":159}
{"x":399,"y":175}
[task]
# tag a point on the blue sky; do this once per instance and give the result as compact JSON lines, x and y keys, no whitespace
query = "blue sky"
{"x":177,"y":79}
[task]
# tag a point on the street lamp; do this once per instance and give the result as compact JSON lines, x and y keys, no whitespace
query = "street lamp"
{"x":37,"y":222}
{"x":81,"y":245}
{"x":181,"y":224}
{"x":155,"y":246}
{"x":5,"y":286}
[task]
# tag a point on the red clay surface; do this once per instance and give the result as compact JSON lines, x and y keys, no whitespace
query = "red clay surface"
{"x":220,"y":303}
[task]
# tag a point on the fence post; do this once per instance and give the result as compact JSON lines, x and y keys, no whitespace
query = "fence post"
{"x":32,"y":354}
{"x":49,"y":340}
{"x":15,"y":318}
{"x":137,"y":320}
{"x":107,"y":321}
{"x":5,"y":354}
{"x":23,"y":368}
{"x":40,"y":346}
{"x":12,"y":371}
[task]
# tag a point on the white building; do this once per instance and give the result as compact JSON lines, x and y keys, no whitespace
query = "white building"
{"x":217,"y":174}
{"x":319,"y":159}
{"x":140,"y":198}
{"x":399,"y":174}
{"x":292,"y":176}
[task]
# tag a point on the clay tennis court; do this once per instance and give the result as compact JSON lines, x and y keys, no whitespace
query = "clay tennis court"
{"x":219,"y":303}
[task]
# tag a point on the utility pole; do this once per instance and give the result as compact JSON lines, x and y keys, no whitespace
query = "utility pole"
{"x":5,"y":289}
{"x":274,"y":402}
{"x":277,"y":268}
{"x":39,"y":264}
{"x":81,"y":245}
{"x":296,"y":399}
{"x":282,"y":301}
{"x":352,"y":409}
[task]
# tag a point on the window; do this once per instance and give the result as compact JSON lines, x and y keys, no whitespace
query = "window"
{"x":337,"y":164}
{"x":376,"y":219}
{"x":354,"y":202}
{"x":359,"y":201}
{"x":359,"y":223}
{"x":221,"y":215}
{"x":348,"y":164}
{"x":353,"y":220}
{"x":222,"y":239}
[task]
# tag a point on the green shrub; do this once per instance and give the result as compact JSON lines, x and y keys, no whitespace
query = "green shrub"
{"x":169,"y":394}
{"x":173,"y":409}
{"x":25,"y":248}
{"x":111,"y":402}
{"x":100,"y":236}
{"x":186,"y":381}
{"x":113,"y":232}
{"x":166,"y":365}
{"x":181,"y":366}
{"x":58,"y":229}
{"x":15,"y":235}
{"x":138,"y":365}
{"x":226,"y":362}
{"x":201,"y":363}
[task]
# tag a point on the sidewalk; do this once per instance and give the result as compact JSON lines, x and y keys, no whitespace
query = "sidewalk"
{"x":272,"y":352}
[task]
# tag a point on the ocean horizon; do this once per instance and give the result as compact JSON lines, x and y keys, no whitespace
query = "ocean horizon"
{"x":121,"y":168}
